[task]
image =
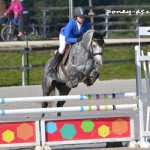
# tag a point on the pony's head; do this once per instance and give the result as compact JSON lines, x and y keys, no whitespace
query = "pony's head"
{"x":93,"y":42}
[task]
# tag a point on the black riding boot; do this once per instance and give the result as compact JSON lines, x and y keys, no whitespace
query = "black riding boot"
{"x":52,"y":68}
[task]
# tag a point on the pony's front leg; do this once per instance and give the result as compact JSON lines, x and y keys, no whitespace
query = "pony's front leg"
{"x":91,"y":78}
{"x":73,"y":82}
{"x":75,"y":77}
{"x":95,"y":76}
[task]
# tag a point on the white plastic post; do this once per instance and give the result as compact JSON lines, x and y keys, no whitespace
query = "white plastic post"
{"x":23,"y":68}
{"x":148,"y":106}
{"x":139,"y":91}
{"x":143,"y":31}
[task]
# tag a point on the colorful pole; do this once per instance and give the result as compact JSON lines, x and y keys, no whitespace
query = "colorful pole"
{"x":68,"y":109}
{"x":68,"y":97}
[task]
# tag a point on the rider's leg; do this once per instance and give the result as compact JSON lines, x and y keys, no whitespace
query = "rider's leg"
{"x":62,"y":44}
{"x":55,"y":61}
{"x":15,"y":22}
{"x":3,"y":19}
{"x":21,"y":24}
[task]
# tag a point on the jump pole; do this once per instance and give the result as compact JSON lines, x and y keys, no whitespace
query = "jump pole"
{"x":68,"y":109}
{"x":68,"y":97}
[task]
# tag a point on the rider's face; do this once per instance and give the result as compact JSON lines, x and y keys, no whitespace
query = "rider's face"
{"x":80,"y":19}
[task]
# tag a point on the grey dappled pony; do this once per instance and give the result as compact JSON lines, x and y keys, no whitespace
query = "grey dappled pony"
{"x":83,"y":63}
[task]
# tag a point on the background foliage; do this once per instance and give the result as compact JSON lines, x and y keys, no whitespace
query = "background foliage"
{"x":48,"y":3}
{"x":56,"y":19}
{"x":108,"y":71}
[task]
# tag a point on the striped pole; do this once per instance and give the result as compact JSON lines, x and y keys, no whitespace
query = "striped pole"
{"x":68,"y":109}
{"x":68,"y":97}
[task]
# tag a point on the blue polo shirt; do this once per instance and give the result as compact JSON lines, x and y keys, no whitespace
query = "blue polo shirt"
{"x":71,"y":32}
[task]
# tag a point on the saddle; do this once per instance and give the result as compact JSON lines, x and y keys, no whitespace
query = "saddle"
{"x":64,"y":59}
{"x":66,"y":54}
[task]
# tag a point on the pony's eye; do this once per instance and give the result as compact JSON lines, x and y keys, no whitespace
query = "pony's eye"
{"x":94,"y":46}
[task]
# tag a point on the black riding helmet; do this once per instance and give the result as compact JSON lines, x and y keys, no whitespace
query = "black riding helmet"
{"x":79,"y":12}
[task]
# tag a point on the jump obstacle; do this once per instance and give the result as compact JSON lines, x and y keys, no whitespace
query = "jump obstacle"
{"x":46,"y":132}
{"x":67,"y":130}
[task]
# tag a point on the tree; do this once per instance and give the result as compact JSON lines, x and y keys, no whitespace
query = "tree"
{"x":2,"y":7}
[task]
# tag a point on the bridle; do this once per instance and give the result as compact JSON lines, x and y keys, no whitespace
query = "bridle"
{"x":100,"y":43}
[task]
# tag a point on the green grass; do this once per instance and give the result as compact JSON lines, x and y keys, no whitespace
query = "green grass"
{"x":117,"y":35}
{"x":107,"y":71}
{"x":121,"y":70}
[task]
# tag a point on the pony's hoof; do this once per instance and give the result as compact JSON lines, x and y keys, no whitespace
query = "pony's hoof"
{"x":75,"y":83}
{"x":69,"y":84}
{"x":44,"y":104}
{"x":58,"y":114}
{"x":88,"y":82}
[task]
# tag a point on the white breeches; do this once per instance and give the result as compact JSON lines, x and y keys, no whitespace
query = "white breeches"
{"x":62,"y":44}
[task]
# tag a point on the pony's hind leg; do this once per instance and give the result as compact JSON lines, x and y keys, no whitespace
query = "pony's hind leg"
{"x":63,"y":90}
{"x":48,"y":89}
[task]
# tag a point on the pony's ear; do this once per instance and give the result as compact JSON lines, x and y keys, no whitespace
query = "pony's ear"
{"x":99,"y":34}
{"x":96,"y":34}
{"x":104,"y":33}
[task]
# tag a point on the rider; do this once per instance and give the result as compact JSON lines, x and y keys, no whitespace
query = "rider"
{"x":71,"y":33}
{"x":16,"y":8}
{"x":23,"y":19}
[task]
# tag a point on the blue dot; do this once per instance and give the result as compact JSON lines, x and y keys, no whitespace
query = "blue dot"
{"x":51,"y":127}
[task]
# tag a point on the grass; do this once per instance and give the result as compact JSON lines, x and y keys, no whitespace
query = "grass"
{"x":107,"y":71}
{"x":121,"y":70}
{"x":117,"y":35}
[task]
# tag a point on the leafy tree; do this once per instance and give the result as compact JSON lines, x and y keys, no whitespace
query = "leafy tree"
{"x":2,"y":7}
{"x":49,"y":3}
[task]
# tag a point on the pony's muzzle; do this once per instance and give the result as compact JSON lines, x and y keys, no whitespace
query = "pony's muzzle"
{"x":98,"y":59}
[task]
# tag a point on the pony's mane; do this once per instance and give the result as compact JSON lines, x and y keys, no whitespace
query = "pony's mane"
{"x":87,"y":38}
{"x":88,"y":32}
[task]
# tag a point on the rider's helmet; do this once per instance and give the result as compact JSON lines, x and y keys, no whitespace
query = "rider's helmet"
{"x":79,"y":12}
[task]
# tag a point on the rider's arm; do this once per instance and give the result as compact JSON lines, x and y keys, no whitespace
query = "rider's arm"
{"x":9,"y":10}
{"x":16,"y":8}
{"x":69,"y":29}
{"x":20,"y":8}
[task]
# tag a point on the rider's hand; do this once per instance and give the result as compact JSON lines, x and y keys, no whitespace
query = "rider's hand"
{"x":5,"y":14}
{"x":79,"y":39}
